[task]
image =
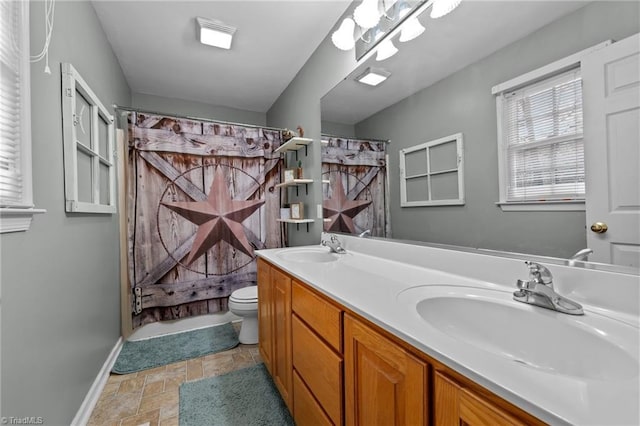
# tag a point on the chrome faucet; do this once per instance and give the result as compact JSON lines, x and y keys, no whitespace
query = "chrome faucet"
{"x":582,"y":255}
{"x":334,"y":244}
{"x":364,"y":233}
{"x":538,"y":290}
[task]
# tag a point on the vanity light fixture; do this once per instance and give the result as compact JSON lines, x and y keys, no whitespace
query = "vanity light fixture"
{"x":214,"y":33}
{"x":411,"y":29}
{"x":403,"y":7}
{"x":367,"y":14}
{"x":386,"y":50}
{"x":343,"y":37}
{"x":373,"y":76}
{"x":442,"y":7}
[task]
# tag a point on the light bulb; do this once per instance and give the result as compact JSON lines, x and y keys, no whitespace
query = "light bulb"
{"x":342,"y":38}
{"x":367,"y":14}
{"x":411,"y":29}
{"x":386,"y":50}
{"x":443,"y":7}
{"x":403,"y":9}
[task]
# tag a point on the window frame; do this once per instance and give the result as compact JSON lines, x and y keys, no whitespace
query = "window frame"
{"x":73,"y":83}
{"x":529,"y":79}
{"x":458,"y":139}
{"x":15,"y":217}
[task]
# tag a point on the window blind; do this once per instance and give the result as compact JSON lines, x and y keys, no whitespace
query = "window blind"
{"x":11,"y":45}
{"x":544,"y":150}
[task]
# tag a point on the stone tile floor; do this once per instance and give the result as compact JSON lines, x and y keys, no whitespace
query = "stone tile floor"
{"x":150,"y":397}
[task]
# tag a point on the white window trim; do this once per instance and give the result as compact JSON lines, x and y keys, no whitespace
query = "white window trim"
{"x":73,"y":82}
{"x":17,"y":218}
{"x":529,"y":78}
{"x":459,"y":169}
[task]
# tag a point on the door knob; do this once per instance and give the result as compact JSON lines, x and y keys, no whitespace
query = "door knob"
{"x":599,"y":227}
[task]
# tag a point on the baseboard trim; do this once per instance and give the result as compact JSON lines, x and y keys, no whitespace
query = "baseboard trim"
{"x":90,"y":401}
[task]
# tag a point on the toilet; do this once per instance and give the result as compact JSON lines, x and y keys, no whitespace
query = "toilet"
{"x":244,"y":303}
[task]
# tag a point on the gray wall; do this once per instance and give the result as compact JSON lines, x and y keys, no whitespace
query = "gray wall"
{"x":338,"y":129}
{"x":463,"y":103}
{"x":299,"y":104}
{"x":154,"y":103}
{"x":60,"y":279}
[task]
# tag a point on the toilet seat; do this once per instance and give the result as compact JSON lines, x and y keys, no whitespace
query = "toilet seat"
{"x":246,"y":295}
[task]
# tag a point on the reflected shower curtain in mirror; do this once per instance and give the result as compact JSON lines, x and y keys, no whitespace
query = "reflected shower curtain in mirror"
{"x":200,"y":200}
{"x":355,"y":190}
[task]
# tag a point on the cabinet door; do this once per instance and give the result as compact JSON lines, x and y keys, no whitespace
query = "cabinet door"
{"x":385,"y":385}
{"x":265,"y":317}
{"x":282,"y":365}
{"x":457,"y":406}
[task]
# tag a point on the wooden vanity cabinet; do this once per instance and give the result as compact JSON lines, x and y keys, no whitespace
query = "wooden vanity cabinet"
{"x":317,"y":357}
{"x":265,"y":315}
{"x":333,"y":367}
{"x":457,"y":405}
{"x":384,"y":384}
{"x":300,"y":341}
{"x":274,"y":334}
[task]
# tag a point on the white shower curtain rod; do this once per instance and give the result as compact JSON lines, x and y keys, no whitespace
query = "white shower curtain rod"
{"x":186,"y":117}
{"x":327,"y":135}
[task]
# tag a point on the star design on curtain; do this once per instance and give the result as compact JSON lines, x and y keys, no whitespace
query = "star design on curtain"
{"x":219,"y":218}
{"x":340,"y":210}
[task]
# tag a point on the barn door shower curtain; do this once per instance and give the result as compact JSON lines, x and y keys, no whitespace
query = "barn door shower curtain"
{"x":355,"y":196}
{"x":200,"y":200}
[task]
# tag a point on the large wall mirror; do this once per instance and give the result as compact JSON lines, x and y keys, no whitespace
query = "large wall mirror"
{"x":453,"y":79}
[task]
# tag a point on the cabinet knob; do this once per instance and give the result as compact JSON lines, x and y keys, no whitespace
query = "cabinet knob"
{"x":599,"y":227}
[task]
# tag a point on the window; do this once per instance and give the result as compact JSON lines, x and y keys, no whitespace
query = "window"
{"x":16,"y":194}
{"x":431,"y":174}
{"x":540,"y":145}
{"x":89,"y":176}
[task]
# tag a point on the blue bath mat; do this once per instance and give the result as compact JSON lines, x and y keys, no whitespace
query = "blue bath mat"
{"x":246,"y":397}
{"x":157,"y":351}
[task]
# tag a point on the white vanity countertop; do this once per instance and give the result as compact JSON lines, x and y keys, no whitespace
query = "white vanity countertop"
{"x":370,"y":276}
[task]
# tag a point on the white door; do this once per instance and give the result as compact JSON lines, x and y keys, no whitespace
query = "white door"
{"x":611,"y":90}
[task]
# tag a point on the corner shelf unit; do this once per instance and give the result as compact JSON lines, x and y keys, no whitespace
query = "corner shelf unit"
{"x":297,"y":222}
{"x":294,"y":144}
{"x":296,"y":183}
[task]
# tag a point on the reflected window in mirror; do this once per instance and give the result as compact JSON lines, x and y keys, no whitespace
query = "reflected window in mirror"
{"x":540,"y":142}
{"x":431,"y":174}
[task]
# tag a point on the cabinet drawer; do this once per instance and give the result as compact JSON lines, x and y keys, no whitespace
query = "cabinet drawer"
{"x":319,"y":367}
{"x":323,"y":317}
{"x":306,"y":410}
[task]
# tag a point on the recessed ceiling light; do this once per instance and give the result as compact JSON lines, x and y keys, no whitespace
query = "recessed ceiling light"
{"x":373,"y":76}
{"x":214,"y":33}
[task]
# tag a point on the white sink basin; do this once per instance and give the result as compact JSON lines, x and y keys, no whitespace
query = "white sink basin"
{"x":590,"y":346}
{"x":308,"y":255}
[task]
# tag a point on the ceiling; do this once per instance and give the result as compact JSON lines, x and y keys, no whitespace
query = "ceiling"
{"x":155,"y":43}
{"x":471,"y":32}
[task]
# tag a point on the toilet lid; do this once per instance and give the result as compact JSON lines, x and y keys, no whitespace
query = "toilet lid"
{"x":245,"y":294}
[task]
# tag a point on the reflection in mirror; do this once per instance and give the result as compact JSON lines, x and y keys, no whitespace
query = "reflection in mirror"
{"x":394,"y":14}
{"x":447,"y":81}
{"x":354,"y":176}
